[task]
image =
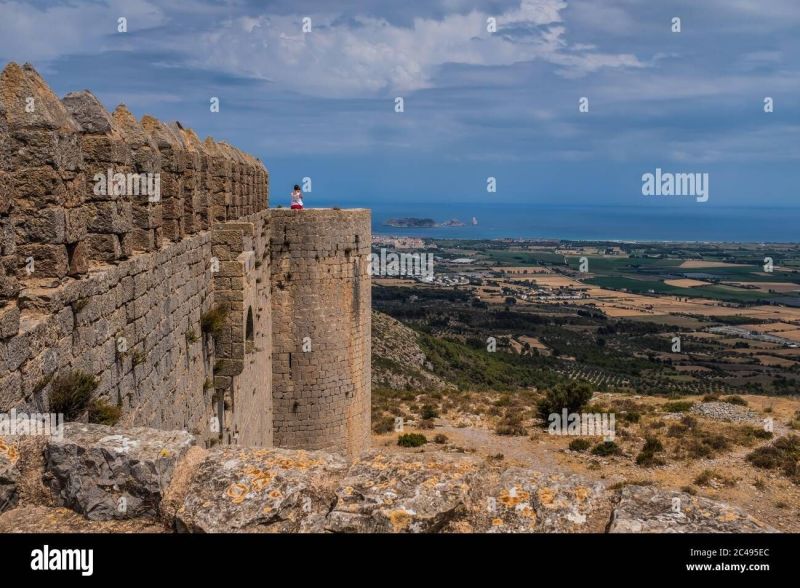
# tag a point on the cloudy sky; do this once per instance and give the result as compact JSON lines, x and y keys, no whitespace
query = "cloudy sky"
{"x":476,"y":103}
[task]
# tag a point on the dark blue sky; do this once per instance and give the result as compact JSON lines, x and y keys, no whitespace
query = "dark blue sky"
{"x":477,"y":103}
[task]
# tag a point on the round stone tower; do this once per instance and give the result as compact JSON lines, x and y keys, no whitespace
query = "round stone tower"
{"x":321,"y":328}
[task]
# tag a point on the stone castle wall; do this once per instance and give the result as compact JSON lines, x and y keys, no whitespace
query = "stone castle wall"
{"x":321,"y":328}
{"x":114,"y":284}
{"x":117,"y":283}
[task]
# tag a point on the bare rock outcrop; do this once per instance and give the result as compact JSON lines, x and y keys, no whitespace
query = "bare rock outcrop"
{"x":257,"y":490}
{"x":647,"y":509}
{"x":170,"y":484}
{"x":523,"y":500}
{"x":112,"y":473}
{"x":405,"y":493}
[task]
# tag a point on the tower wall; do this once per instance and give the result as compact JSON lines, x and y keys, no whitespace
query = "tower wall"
{"x":321,"y":302}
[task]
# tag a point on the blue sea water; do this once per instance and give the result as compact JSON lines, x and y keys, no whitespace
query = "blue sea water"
{"x":687,"y":222}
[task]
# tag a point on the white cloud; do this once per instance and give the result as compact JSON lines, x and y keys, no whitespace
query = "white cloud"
{"x":33,"y":33}
{"x":368,"y":56}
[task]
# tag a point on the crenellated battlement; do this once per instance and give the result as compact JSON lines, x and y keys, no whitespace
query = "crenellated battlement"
{"x":83,"y":185}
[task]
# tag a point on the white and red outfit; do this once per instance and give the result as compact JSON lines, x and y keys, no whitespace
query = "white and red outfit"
{"x":297,"y":199}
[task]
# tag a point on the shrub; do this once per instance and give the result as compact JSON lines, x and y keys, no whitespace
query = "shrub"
{"x":511,"y":425}
{"x":783,"y":453}
{"x":103,"y":413}
{"x":572,"y":395}
{"x":440,"y":438}
{"x":710,"y":397}
{"x":70,"y":394}
{"x":429,"y":412}
{"x":706,"y":444}
{"x":677,"y":406}
{"x":426,"y":424}
{"x":707,"y":476}
{"x":383,"y":425}
{"x":767,"y":457}
{"x":677,"y":430}
{"x":411,"y":440}
{"x":631,"y":417}
{"x":213,"y":321}
{"x":737,"y":400}
{"x":652,"y":445}
{"x":579,"y":444}
{"x":606,"y":448}
{"x":647,"y":456}
{"x":646,"y":459}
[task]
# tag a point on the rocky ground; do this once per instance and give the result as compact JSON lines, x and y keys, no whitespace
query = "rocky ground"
{"x":704,"y":455}
{"x":104,"y":479}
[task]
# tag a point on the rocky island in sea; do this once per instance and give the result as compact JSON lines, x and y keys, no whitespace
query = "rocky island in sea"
{"x":420,"y":223}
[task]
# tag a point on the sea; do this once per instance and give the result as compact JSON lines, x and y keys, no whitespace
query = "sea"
{"x":686,"y":223}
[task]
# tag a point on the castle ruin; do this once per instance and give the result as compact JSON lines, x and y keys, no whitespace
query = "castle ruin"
{"x":133,"y":251}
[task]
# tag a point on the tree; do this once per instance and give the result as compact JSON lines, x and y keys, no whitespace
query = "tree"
{"x":572,"y":395}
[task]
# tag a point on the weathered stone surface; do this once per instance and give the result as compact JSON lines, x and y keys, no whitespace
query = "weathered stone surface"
{"x":254,"y":490}
{"x":29,"y":103}
{"x":523,"y":500}
{"x":9,"y":321}
{"x":403,"y":493}
{"x":8,"y":474}
{"x":261,"y":490}
{"x":94,"y":466}
{"x":647,"y":509}
{"x":320,"y":274}
{"x":88,"y":112}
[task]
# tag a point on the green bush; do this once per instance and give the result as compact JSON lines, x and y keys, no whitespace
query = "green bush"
{"x":706,"y":444}
{"x":579,"y":444}
{"x":411,"y":440}
{"x":70,"y":394}
{"x":652,"y":445}
{"x":429,"y":412}
{"x":572,"y":395}
{"x":440,"y":438}
{"x":647,"y":456}
{"x":677,"y":406}
{"x":783,"y":453}
{"x":632,"y":417}
{"x":606,"y":448}
{"x":737,"y":400}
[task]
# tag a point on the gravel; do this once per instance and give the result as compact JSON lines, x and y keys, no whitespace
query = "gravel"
{"x":723,"y":411}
